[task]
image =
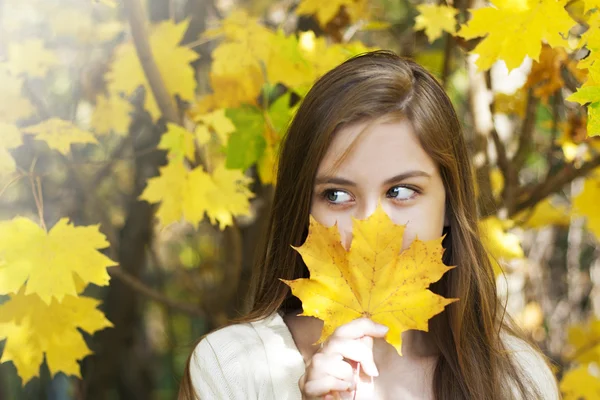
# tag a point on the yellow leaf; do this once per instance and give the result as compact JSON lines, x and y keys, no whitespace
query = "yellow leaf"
{"x":326,"y":11}
{"x":60,"y":134}
{"x":511,"y":103}
{"x":192,"y":194}
{"x":172,"y":61}
{"x":216,"y":121}
{"x":267,"y":166}
{"x":222,"y":195}
{"x":233,"y":90}
{"x":231,"y":196}
{"x":286,"y":64}
{"x":48,"y":261}
{"x":579,"y":383}
{"x":168,"y":188}
{"x":13,"y":105}
{"x":241,"y":27}
{"x":500,"y":244}
{"x":544,"y":214}
{"x":514,"y":29}
{"x":586,"y":203}
{"x":236,"y":74}
{"x":324,"y":57}
{"x":373,"y":279}
{"x":436,"y":19}
{"x":34,"y":329}
{"x":585,"y":341}
{"x":179,"y":142}
{"x":202,"y":134}
{"x":531,"y":317}
{"x":111,"y":115}
{"x":30,"y":58}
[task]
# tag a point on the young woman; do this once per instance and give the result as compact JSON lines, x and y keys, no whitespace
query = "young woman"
{"x":378,"y":129}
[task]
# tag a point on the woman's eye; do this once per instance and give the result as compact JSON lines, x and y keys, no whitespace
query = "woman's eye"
{"x":401,"y":193}
{"x":337,"y":196}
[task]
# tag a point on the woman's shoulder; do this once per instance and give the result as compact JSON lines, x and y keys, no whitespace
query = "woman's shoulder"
{"x":236,"y":340}
{"x":533,"y":364}
{"x":239,"y":360}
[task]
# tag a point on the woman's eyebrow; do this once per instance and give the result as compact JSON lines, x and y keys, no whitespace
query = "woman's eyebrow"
{"x":342,"y":181}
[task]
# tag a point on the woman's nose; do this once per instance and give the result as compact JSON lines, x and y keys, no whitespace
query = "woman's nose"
{"x":366,"y":208}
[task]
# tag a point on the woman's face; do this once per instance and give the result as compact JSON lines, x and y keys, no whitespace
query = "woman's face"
{"x":386,"y":165}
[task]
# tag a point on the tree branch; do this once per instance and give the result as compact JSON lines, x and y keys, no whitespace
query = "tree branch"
{"x":526,"y":134}
{"x":153,"y":294}
{"x":137,"y":22}
{"x":553,"y":184}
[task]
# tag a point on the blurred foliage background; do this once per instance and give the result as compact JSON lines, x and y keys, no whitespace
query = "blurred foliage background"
{"x":133,"y":193}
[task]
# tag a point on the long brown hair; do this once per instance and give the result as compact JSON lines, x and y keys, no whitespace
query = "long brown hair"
{"x":473,"y":363}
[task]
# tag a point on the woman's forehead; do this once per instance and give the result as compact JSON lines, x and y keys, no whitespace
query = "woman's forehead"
{"x":375,"y":149}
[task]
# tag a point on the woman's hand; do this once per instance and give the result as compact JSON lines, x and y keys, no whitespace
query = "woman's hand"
{"x":330,"y":372}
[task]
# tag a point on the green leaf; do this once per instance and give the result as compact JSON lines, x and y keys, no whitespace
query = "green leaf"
{"x":247,"y":144}
{"x":280,"y":113}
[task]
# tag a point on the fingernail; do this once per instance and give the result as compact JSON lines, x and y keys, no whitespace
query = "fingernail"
{"x":372,"y":371}
{"x":382,"y":329}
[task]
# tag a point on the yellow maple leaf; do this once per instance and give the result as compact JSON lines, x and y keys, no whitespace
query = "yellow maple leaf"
{"x":48,"y":261}
{"x":34,"y":329}
{"x":373,"y":279}
{"x":60,"y":134}
{"x":168,"y":189}
{"x":13,"y":105}
{"x":221,"y":195}
{"x":111,"y":115}
{"x":545,"y":75}
{"x":323,"y":56}
{"x":543,"y":214}
{"x":179,"y":142}
{"x":190,"y":195}
{"x":236,"y":72}
{"x":586,"y":203}
{"x":584,"y":340}
{"x":436,"y":19}
{"x":500,"y":244}
{"x":172,"y":60}
{"x":579,"y":383}
{"x":30,"y":58}
{"x":286,"y":64}
{"x":326,"y":11}
{"x":511,"y":103}
{"x":515,"y":29}
{"x":216,"y":122}
{"x":267,"y":165}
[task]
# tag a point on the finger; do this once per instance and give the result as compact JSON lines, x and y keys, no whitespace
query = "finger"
{"x":360,"y":327}
{"x":322,"y":386}
{"x":354,"y":350}
{"x":330,"y":364}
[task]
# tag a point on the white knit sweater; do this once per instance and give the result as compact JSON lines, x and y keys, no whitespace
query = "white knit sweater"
{"x":259,"y":360}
